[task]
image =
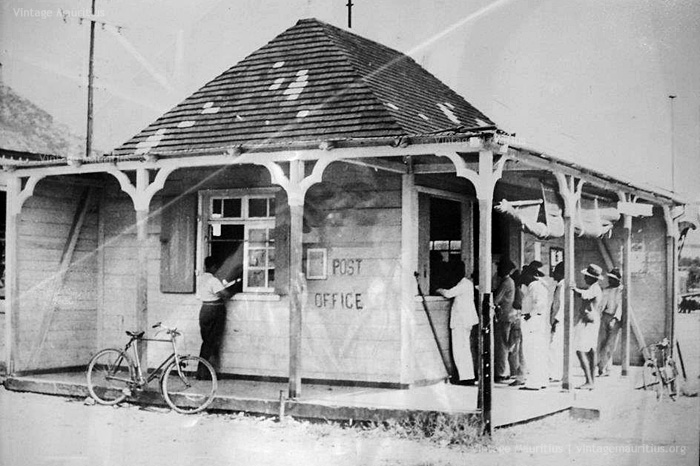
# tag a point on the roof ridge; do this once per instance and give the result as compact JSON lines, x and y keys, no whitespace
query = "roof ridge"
{"x":348,"y":58}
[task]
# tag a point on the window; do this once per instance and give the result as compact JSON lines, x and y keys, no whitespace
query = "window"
{"x":239,"y":233}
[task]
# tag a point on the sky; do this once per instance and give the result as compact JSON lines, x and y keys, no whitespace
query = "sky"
{"x":588,"y":81}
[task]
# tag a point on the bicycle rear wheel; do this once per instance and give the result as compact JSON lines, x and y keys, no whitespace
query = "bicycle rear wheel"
{"x":109,"y":375}
{"x":651,"y":379}
{"x":183,"y":390}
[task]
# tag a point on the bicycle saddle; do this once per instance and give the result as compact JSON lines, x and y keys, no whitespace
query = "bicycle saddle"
{"x":135,"y":334}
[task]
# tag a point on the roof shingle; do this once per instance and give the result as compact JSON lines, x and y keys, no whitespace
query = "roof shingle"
{"x":313,"y":82}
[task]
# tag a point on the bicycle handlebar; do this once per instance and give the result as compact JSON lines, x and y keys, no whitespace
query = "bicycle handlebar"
{"x":170,"y":331}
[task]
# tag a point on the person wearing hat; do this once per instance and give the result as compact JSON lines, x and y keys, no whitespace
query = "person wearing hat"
{"x":587,"y":323}
{"x":505,"y":316}
{"x":535,"y":327}
{"x":610,"y":318}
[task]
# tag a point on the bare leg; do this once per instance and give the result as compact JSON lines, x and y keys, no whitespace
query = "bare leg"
{"x":592,"y":364}
{"x":587,"y":371}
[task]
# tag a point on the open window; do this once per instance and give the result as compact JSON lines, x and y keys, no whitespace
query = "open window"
{"x":444,"y":238}
{"x":238,"y":231}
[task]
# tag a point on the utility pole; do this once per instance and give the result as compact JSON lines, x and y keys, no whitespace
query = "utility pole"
{"x":673,"y":151}
{"x":91,"y":77}
{"x":93,"y":19}
{"x":349,"y":5}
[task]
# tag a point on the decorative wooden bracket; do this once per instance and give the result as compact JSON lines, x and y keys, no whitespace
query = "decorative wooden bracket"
{"x":489,"y":172}
{"x":570,"y":189}
{"x":142,"y":194}
{"x":626,"y":197}
{"x":24,"y":193}
{"x":296,"y":184}
{"x":671,"y":222}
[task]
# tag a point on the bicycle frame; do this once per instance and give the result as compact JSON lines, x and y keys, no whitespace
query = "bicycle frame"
{"x":140,"y":380}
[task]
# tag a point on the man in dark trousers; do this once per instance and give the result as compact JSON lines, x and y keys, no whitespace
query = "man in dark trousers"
{"x":212,"y":315}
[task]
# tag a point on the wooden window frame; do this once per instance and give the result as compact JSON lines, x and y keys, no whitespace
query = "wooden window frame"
{"x":206,"y":201}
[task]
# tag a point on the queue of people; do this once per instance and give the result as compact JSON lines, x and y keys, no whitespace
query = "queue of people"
{"x":528,"y":340}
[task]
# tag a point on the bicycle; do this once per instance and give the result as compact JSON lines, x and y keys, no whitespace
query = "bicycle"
{"x":112,"y":375}
{"x":659,"y":370}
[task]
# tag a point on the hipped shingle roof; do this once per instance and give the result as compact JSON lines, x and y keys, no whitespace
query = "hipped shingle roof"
{"x":314,"y":82}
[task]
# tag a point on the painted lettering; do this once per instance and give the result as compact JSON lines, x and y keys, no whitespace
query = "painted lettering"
{"x":346,"y":266}
{"x":339,"y":300}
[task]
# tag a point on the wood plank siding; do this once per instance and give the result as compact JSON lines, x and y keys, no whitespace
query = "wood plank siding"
{"x":68,"y":317}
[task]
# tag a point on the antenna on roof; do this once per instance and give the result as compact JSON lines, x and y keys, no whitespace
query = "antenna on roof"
{"x":349,"y":5}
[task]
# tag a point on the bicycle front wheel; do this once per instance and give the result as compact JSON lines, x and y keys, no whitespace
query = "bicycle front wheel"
{"x":184,"y":390}
{"x":109,"y":374}
{"x":672,"y":379}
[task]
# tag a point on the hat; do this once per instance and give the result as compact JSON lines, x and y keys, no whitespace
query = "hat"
{"x":615,"y":274}
{"x":593,"y":271}
{"x":534,"y":269}
{"x":505,"y":266}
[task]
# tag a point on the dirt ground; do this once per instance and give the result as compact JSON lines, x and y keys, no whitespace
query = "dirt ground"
{"x":46,"y":430}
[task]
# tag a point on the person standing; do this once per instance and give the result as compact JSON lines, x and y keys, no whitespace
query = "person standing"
{"x":556,"y":315}
{"x":610,"y":322}
{"x":212,"y":314}
{"x":463,"y":317}
{"x":587,"y":323}
{"x":505,"y":316}
{"x":535,"y":327}
{"x":516,"y":358}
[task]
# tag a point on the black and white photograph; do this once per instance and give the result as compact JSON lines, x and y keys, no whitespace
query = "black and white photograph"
{"x":349,"y":232}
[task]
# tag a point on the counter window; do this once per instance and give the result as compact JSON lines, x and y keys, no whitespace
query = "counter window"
{"x":240,"y":235}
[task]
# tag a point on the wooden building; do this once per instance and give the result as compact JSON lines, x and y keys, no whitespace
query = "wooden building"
{"x":323,"y":170}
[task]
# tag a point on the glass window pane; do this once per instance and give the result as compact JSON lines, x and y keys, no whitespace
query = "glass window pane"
{"x":256,"y":278}
{"x":216,"y":207}
{"x":271,"y":277}
{"x":257,"y":235}
{"x":271,"y":212}
{"x":257,"y":208}
{"x":442,"y":245}
{"x":271,"y":257}
{"x":232,"y":208}
{"x":256,"y":257}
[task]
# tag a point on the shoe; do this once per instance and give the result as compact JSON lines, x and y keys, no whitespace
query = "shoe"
{"x":551,"y":380}
{"x":516,"y":383}
{"x":529,"y":388}
{"x":605,"y":373}
{"x":585,"y":386}
{"x":468,"y":383}
{"x":501,"y":379}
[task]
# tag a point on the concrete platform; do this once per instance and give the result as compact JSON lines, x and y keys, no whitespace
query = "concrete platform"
{"x":511,"y":406}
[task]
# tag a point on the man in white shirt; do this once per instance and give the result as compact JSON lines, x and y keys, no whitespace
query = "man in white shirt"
{"x":610,"y":318}
{"x":556,"y":316}
{"x":536,"y":328}
{"x":463,"y":317}
{"x":212,"y":315}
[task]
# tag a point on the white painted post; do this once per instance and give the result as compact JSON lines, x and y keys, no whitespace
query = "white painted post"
{"x":570,"y":191}
{"x":142,"y":209}
{"x":296,"y":288}
{"x":12,"y":327}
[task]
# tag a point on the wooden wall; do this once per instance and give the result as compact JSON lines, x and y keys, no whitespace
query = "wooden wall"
{"x":57,"y":323}
{"x":351,"y":326}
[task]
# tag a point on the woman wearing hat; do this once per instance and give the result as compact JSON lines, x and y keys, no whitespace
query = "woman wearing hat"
{"x":587,"y":323}
{"x":610,"y":317}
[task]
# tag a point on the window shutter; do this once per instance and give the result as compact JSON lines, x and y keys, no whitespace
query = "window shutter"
{"x":178,"y":236}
